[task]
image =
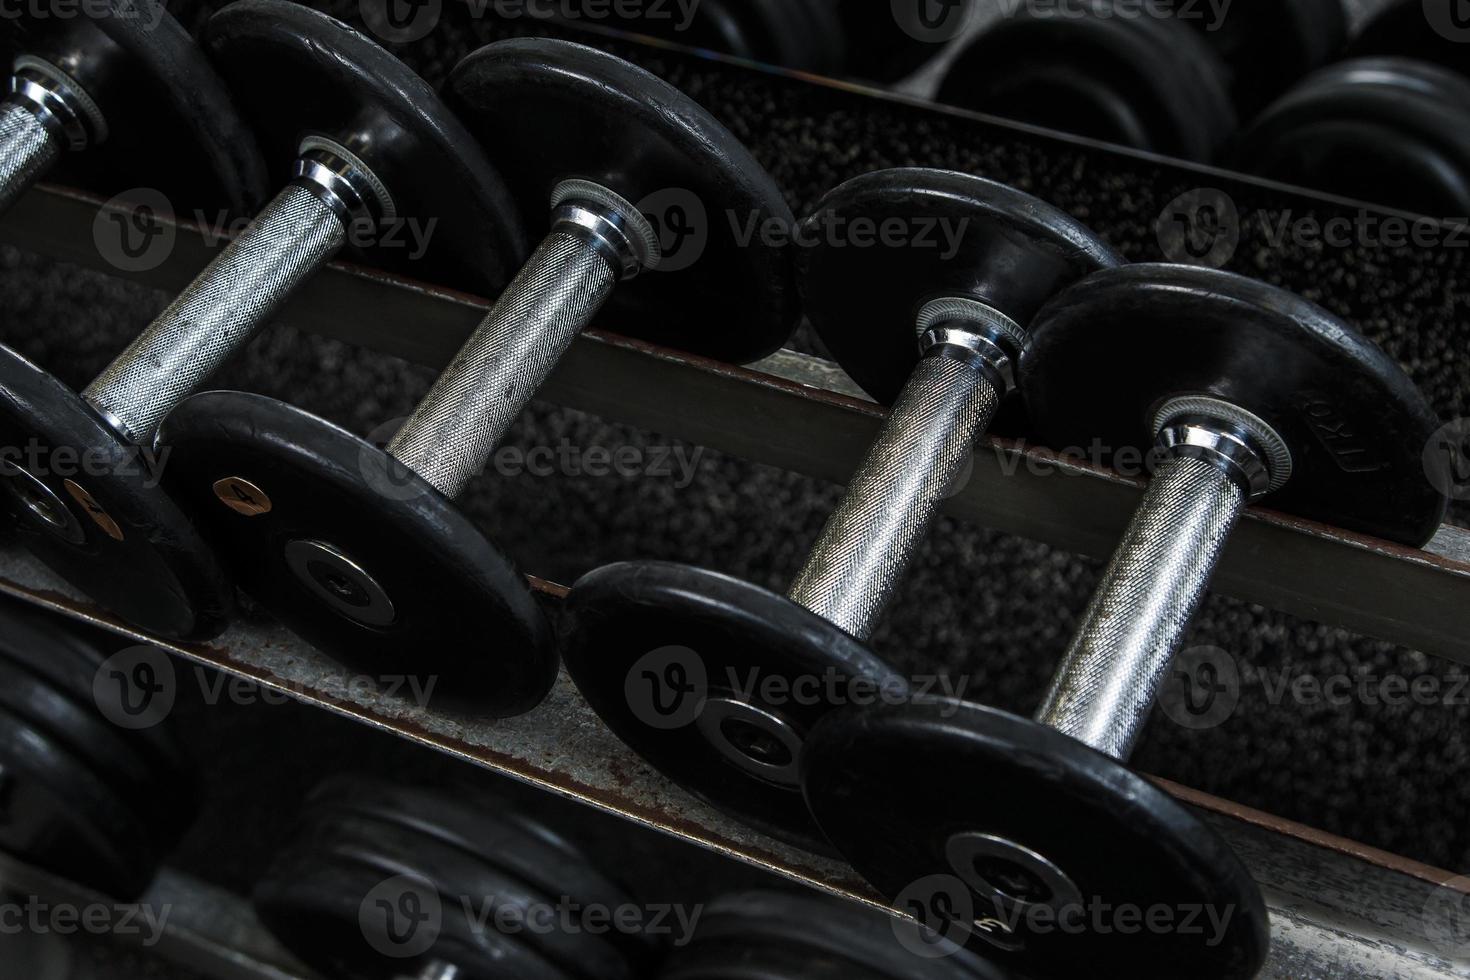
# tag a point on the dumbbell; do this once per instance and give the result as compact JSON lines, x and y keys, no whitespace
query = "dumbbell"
{"x":361,"y":141}
{"x":931,"y":333}
{"x":1392,"y":131}
{"x":362,"y":550}
{"x":1425,"y":30}
{"x":382,"y":881}
{"x":1266,"y":45}
{"x":120,"y":96}
{"x":1247,"y":393}
{"x":789,"y":936}
{"x":1101,"y":69}
{"x":80,"y":796}
{"x":802,"y":34}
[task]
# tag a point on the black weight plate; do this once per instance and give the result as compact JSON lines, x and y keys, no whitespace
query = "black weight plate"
{"x":464,"y":619}
{"x":486,"y":897}
{"x":987,"y":242}
{"x":1387,"y":130}
{"x":1107,"y":352}
{"x":326,"y":910}
{"x":892,"y":785}
{"x":481,"y":825}
{"x":835,"y":936}
{"x":1268,"y":44}
{"x":68,"y":660}
{"x":171,"y":123}
{"x":727,"y":639}
{"x":556,"y":110}
{"x":57,"y":814}
{"x":160,"y":575}
{"x":1427,"y":30}
{"x":1060,"y":65}
{"x":92,"y":740}
{"x":297,"y":72}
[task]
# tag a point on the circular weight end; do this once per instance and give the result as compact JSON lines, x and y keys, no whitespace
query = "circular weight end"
{"x":880,"y":248}
{"x":83,"y":797}
{"x":1100,"y":71}
{"x":456,"y":222}
{"x":88,"y":504}
{"x":945,"y":797}
{"x":172,"y":125}
{"x":1387,"y":130}
{"x":1268,"y":44}
{"x":716,"y":682}
{"x":1108,"y":352}
{"x":1425,"y":30}
{"x":358,"y":555}
{"x":557,"y":110}
{"x":794,"y":935}
{"x":431,"y":850}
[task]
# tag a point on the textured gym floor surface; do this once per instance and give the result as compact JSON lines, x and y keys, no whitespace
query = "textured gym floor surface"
{"x":994,"y":609}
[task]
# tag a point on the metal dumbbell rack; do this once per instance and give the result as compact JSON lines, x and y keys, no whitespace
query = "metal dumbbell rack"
{"x":813,"y":421}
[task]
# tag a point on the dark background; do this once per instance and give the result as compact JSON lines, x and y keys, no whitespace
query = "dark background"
{"x":996,"y":608}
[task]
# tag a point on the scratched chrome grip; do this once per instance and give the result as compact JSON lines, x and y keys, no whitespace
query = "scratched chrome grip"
{"x":891,"y":502}
{"x":218,"y":313}
{"x":1158,"y":577}
{"x":452,"y":433}
{"x":27,"y":150}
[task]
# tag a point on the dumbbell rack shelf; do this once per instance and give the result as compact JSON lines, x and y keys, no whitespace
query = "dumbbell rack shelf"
{"x":1336,"y":906}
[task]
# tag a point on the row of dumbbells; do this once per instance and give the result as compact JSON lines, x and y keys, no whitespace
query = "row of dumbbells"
{"x":1241,"y":391}
{"x":1270,"y":87}
{"x":378,"y":880}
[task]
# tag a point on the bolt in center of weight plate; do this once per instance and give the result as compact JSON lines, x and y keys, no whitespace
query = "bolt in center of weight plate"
{"x":340,"y":582}
{"x":757,"y":741}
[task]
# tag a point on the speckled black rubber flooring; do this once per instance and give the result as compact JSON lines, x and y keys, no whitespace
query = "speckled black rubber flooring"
{"x":995,"y":608}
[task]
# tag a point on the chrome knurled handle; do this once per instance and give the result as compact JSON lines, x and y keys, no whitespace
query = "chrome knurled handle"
{"x":1106,"y":686}
{"x":453,"y":431}
{"x":28,"y":148}
{"x":893,"y":499}
{"x":218,"y":313}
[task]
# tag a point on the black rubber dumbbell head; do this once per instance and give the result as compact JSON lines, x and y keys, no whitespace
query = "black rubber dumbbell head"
{"x":86,"y":501}
{"x":358,"y":555}
{"x":1387,"y":130}
{"x":556,"y":111}
{"x":300,"y":75}
{"x":1108,"y":352}
{"x":1099,"y":69}
{"x":1024,"y":837}
{"x":170,"y":123}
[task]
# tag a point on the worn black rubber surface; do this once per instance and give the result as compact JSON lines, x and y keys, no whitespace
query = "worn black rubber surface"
{"x":556,"y":111}
{"x":1142,"y":81}
{"x":327,"y":485}
{"x":172,"y":125}
{"x":892,"y":785}
{"x":1381,"y":129}
{"x":651,"y":643}
{"x":1108,"y":352}
{"x":325,"y":79}
{"x":139,"y":556}
{"x":963,"y":236}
